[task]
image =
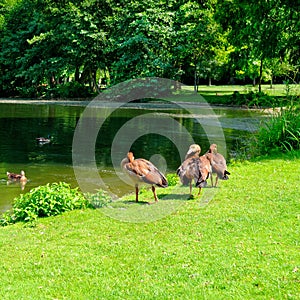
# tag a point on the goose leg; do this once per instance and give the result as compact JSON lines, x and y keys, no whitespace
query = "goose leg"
{"x":199,"y":191}
{"x":136,"y":193}
{"x":154,"y":194}
{"x":211,"y":179}
{"x":216,"y":181}
{"x":191,"y":196}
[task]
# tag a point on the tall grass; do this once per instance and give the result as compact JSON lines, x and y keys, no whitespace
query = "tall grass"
{"x":280,"y":132}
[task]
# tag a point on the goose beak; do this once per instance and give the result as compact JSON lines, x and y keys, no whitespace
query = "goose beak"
{"x":190,"y":151}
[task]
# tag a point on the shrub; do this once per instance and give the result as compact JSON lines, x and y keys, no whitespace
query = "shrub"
{"x":281,"y":132}
{"x":99,"y":199}
{"x":172,"y":179}
{"x":44,"y":201}
{"x":252,"y":99}
{"x":27,"y":92}
{"x":67,"y":90}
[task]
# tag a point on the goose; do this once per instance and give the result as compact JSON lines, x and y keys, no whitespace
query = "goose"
{"x":194,"y":151}
{"x":142,"y":171}
{"x":218,"y":163}
{"x":194,"y":167}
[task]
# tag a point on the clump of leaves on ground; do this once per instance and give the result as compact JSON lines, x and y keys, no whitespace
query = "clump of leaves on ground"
{"x":172,"y":179}
{"x":99,"y":199}
{"x":44,"y":201}
{"x":51,"y":200}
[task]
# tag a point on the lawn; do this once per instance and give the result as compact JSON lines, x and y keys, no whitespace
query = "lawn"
{"x":218,"y":94}
{"x":242,"y":243}
{"x":275,"y":90}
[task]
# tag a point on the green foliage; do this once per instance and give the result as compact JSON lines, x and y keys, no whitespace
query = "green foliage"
{"x":50,"y":43}
{"x":143,"y":48}
{"x":172,"y":179}
{"x":99,"y":199}
{"x":45,"y":201}
{"x":27,"y":91}
{"x":71,"y":89}
{"x":281,"y":132}
{"x":252,"y":99}
{"x":260,"y":32}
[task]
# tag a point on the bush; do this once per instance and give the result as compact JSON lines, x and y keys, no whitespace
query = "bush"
{"x":281,"y":132}
{"x":67,"y":90}
{"x":44,"y":201}
{"x":173,"y":179}
{"x":253,"y":99}
{"x":27,"y":92}
{"x":99,"y":199}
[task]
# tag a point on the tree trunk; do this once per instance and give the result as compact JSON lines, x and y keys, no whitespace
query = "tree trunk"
{"x":195,"y":80}
{"x":271,"y":82}
{"x":77,"y":74}
{"x":177,"y":85}
{"x":260,"y":75}
{"x":209,"y":80}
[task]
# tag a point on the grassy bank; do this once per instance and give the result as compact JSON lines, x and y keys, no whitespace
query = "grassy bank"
{"x":223,"y":94}
{"x":242,"y":244}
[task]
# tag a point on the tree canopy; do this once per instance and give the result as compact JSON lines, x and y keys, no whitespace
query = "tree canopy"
{"x":48,"y":47}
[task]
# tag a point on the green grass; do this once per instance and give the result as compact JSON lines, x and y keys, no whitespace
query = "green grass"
{"x":276,"y":90}
{"x":242,"y":244}
{"x":218,"y":94}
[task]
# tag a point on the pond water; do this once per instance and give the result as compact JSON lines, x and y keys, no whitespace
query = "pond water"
{"x":22,"y":122}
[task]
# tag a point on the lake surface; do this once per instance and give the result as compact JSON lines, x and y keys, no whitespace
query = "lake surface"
{"x":155,"y":131}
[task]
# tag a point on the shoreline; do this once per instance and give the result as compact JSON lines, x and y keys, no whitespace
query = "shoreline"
{"x":137,"y":105}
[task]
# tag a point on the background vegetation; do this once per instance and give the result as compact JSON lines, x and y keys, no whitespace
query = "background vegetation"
{"x":74,"y":48}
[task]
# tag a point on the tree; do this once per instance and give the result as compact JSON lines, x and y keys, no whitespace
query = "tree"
{"x":264,"y":28}
{"x":140,"y":40}
{"x":200,"y":43}
{"x":50,"y":43}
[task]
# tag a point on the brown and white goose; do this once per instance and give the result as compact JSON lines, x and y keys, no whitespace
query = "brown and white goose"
{"x":142,"y":171}
{"x":218,"y":164}
{"x":194,"y":167}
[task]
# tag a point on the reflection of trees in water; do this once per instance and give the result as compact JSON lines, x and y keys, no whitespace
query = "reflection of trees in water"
{"x":20,"y":127}
{"x":20,"y":124}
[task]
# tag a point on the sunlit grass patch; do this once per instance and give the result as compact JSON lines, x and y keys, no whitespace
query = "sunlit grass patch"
{"x":243,"y":244}
{"x":127,"y":209}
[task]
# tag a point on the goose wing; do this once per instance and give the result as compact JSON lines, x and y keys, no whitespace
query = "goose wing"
{"x":219,"y":166}
{"x":144,"y":171}
{"x":188,"y":170}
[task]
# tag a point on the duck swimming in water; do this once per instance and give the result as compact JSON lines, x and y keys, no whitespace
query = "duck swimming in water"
{"x":15,"y":177}
{"x":42,"y":140}
{"x":21,"y":178}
